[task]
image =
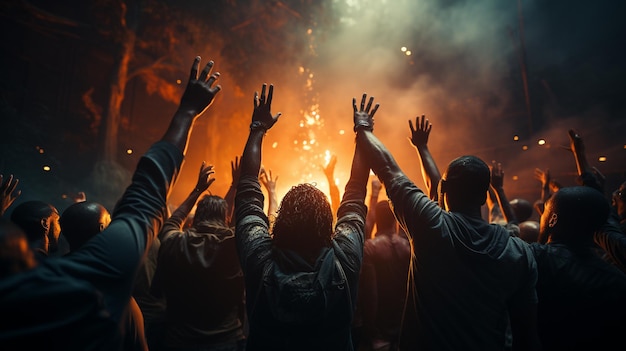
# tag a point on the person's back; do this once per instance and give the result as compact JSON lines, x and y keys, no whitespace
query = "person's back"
{"x":470,"y":276}
{"x":81,"y":222}
{"x":383,"y":281}
{"x":301,"y":280}
{"x":198,"y":273}
{"x":581,"y":296}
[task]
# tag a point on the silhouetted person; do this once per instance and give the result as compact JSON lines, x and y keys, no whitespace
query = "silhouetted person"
{"x":301,"y":279}
{"x":82,"y":221}
{"x":582,"y":304}
{"x":40,"y":222}
{"x":78,"y":302}
{"x":383,"y":285}
{"x":198,"y":273}
{"x":469,"y":275}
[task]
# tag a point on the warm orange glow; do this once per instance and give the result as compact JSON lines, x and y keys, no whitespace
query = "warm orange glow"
{"x":602,"y":158}
{"x":46,"y":168}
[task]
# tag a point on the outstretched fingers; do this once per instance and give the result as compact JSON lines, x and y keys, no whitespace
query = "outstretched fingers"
{"x":194,"y":69}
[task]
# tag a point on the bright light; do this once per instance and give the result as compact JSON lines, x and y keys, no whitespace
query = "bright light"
{"x":541,"y":141}
{"x":408,"y":53}
{"x":342,"y":132}
{"x":129,"y":151}
{"x":515,"y":177}
{"x":515,"y":137}
{"x":602,"y":158}
{"x":403,"y":49}
{"x":178,"y":81}
{"x":275,"y":145}
{"x":525,"y":147}
{"x":46,"y":168}
{"x":309,"y":31}
{"x":41,"y":151}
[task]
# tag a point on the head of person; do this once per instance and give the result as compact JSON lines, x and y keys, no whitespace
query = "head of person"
{"x":464,"y":184}
{"x":39,"y":221}
{"x":573,"y":214}
{"x":618,"y":200}
{"x":385,"y":219}
{"x":15,"y":253}
{"x":304,"y":221}
{"x":529,"y":231}
{"x":82,"y":221}
{"x":522,"y":208}
{"x":210,"y":209}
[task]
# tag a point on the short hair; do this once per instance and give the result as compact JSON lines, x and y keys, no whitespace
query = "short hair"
{"x":304,"y":221}
{"x":580,"y":211}
{"x":28,"y":216}
{"x":467,"y":178}
{"x":81,"y":222}
{"x":210,"y":208}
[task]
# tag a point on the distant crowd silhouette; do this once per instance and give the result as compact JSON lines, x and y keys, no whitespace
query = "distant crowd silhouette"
{"x":424,"y":269}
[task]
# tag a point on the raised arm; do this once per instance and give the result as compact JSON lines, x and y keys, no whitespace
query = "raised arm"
{"x":262,"y":121}
{"x":176,"y":220}
{"x":419,"y":139}
{"x":589,"y":176}
{"x":235,"y":171}
{"x":370,"y":220}
{"x":270,"y":185}
{"x":198,"y":96}
{"x":116,"y":254}
{"x":8,"y":194}
{"x":497,"y":184}
{"x":329,"y":172}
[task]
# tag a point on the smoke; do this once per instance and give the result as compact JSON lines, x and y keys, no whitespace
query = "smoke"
{"x":458,"y":63}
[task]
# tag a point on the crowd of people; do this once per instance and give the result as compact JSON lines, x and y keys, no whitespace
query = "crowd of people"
{"x":424,"y":269}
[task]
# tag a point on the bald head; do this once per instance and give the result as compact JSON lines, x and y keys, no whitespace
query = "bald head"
{"x":82,"y":221}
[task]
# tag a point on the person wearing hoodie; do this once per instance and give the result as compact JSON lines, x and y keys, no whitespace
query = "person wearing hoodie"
{"x":301,"y":279}
{"x":470,"y":277}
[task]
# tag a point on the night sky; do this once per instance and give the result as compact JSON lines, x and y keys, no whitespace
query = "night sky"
{"x":464,"y":73}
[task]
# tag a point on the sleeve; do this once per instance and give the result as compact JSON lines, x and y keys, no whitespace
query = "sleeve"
{"x":350,"y":230}
{"x":171,"y":226}
{"x":613,"y":241}
{"x":110,"y":260}
{"x":254,"y":243}
{"x":414,"y":210}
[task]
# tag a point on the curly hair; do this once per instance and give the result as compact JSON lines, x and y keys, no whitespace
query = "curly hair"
{"x":304,"y":221}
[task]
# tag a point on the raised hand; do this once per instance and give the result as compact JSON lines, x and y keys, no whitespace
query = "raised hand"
{"x":329,"y":169}
{"x":419,"y":135}
{"x":265,"y":177}
{"x":235,"y":170}
{"x":262,"y":116}
{"x":575,"y":141}
{"x":376,"y":186}
{"x":200,"y":91}
{"x":8,"y":194}
{"x":364,"y":116}
{"x":497,"y":175}
{"x":543,"y":176}
{"x":204,"y":178}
